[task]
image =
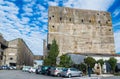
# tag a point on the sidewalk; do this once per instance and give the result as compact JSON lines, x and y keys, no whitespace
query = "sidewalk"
{"x":94,"y":76}
{"x":102,"y":75}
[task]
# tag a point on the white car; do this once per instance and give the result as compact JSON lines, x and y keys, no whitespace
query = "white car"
{"x":32,"y":70}
{"x":26,"y":68}
{"x":55,"y":71}
{"x":69,"y":72}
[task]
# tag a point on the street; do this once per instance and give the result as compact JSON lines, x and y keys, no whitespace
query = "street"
{"x":18,"y":74}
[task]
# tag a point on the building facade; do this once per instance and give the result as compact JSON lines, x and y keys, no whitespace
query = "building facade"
{"x":18,"y":54}
{"x":80,"y":31}
{"x":79,"y":58}
{"x":3,"y":46}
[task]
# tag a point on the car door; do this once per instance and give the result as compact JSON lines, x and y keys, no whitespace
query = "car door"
{"x":76,"y":72}
{"x":72,"y":71}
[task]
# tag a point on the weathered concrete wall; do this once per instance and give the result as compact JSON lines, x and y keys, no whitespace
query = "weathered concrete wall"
{"x":81,"y":31}
{"x":19,"y":52}
{"x":3,"y":46}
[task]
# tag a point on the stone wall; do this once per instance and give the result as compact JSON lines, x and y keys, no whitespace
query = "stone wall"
{"x":80,"y":31}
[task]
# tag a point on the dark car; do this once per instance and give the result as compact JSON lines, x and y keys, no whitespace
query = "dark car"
{"x":38,"y":70}
{"x":45,"y":70}
{"x":0,"y":67}
{"x":4,"y":67}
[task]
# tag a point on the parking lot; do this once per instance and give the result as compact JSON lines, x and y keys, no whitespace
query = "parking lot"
{"x":18,"y":74}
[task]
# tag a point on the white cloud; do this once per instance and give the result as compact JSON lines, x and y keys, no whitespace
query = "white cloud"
{"x":27,"y":0}
{"x":117,"y":41}
{"x":8,"y":14}
{"x":1,"y":1}
{"x":117,"y":23}
{"x":116,"y":12}
{"x":91,"y":4}
{"x":41,"y":7}
{"x":37,"y":45}
{"x":12,"y":27}
{"x":27,"y":8}
{"x":25,"y":20}
{"x":51,"y":3}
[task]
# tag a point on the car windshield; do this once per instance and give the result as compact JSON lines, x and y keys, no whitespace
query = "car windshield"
{"x":65,"y":69}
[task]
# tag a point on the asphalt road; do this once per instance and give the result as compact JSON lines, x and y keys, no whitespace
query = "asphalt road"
{"x":18,"y":74}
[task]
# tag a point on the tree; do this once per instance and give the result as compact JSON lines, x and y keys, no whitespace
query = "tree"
{"x":101,"y":62}
{"x":83,"y":68}
{"x":52,"y":54}
{"x":65,"y":61}
{"x":90,"y":61}
{"x":47,"y":61}
{"x":112,"y":61}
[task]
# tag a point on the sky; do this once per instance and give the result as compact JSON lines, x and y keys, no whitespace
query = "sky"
{"x":28,"y":19}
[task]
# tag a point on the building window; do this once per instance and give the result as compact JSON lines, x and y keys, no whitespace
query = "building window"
{"x":70,"y":19}
{"x":60,"y":18}
{"x":48,"y":46}
{"x":104,"y":14}
{"x":49,"y":18}
{"x":97,"y":13}
{"x":11,"y":58}
{"x":1,"y":57}
{"x":53,"y":26}
{"x":52,"y":15}
{"x":106,"y":22}
{"x":109,"y":29}
{"x":89,"y":21}
{"x":82,"y":20}
{"x":99,"y":22}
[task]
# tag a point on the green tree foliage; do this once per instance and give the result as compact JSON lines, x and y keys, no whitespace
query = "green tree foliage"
{"x":90,"y":61}
{"x":65,"y":61}
{"x":101,"y":62}
{"x":52,"y":54}
{"x":112,"y":61}
{"x":47,"y":62}
{"x":83,"y":67}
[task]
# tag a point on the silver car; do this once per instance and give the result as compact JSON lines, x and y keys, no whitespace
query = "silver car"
{"x":55,"y":71}
{"x":69,"y":72}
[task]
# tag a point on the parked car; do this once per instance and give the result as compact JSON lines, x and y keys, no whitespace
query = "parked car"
{"x":38,"y":70}
{"x":26,"y":68}
{"x":45,"y":70}
{"x":12,"y":67}
{"x":69,"y":72}
{"x":32,"y":70}
{"x":5,"y":67}
{"x":0,"y":67}
{"x":55,"y":71}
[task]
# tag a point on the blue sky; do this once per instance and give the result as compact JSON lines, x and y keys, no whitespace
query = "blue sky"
{"x":28,"y":19}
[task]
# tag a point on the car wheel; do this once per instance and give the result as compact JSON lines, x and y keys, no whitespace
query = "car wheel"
{"x":58,"y":75}
{"x":69,"y":75}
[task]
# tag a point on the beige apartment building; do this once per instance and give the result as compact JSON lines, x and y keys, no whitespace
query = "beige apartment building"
{"x":18,"y":54}
{"x":3,"y":46}
{"x":81,"y":31}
